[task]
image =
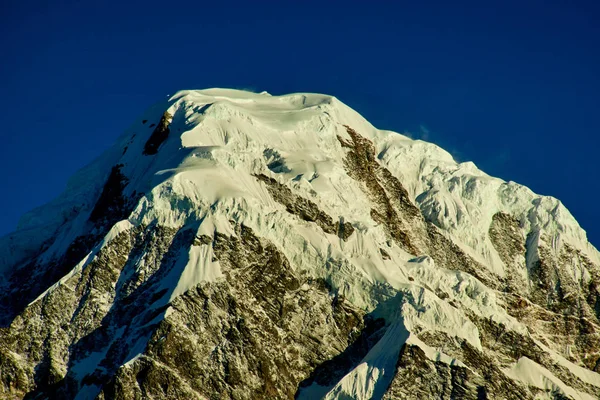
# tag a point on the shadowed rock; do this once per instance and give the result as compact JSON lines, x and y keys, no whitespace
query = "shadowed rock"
{"x":159,"y":135}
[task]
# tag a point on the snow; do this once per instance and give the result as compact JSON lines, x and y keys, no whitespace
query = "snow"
{"x":119,"y":227}
{"x":199,"y":268}
{"x":587,"y":376}
{"x":530,"y":373}
{"x":461,"y":199}
{"x":371,"y":378}
{"x":433,"y":353}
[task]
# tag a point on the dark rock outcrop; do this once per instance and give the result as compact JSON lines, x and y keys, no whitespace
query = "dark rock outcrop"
{"x":159,"y":135}
{"x":305,"y":209}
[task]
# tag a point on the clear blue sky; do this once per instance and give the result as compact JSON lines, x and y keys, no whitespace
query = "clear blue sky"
{"x":512,"y":86}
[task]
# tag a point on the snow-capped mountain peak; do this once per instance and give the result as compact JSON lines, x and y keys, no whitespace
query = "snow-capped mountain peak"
{"x":259,"y":246}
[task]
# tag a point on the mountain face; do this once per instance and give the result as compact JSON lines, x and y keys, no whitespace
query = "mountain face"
{"x":234,"y":245}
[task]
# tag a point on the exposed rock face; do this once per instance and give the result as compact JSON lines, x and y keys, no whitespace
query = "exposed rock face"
{"x":393,"y":209}
{"x":29,"y":280}
{"x":159,"y":135}
{"x":112,"y":205}
{"x":361,"y":164}
{"x":549,"y":299}
{"x":305,"y":209}
{"x":419,"y":377}
{"x":257,"y":334}
{"x":281,"y":248}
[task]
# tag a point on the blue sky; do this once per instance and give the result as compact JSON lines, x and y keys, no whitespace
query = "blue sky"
{"x":511,"y":86}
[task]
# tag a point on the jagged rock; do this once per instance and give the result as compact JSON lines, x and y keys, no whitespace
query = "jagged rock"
{"x":419,"y":377}
{"x":159,"y":135}
{"x":112,"y":205}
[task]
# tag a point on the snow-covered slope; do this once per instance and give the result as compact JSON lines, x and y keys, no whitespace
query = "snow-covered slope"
{"x":274,"y":246}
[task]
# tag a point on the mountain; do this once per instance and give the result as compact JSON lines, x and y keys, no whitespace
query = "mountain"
{"x":234,"y":245}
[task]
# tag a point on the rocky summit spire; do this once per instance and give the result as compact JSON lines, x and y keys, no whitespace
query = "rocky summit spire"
{"x":236,"y":245}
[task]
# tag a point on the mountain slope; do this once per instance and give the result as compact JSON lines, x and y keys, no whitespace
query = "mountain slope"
{"x":241,"y":245}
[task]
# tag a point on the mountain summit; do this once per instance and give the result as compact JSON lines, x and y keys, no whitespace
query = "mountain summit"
{"x":234,"y":245}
